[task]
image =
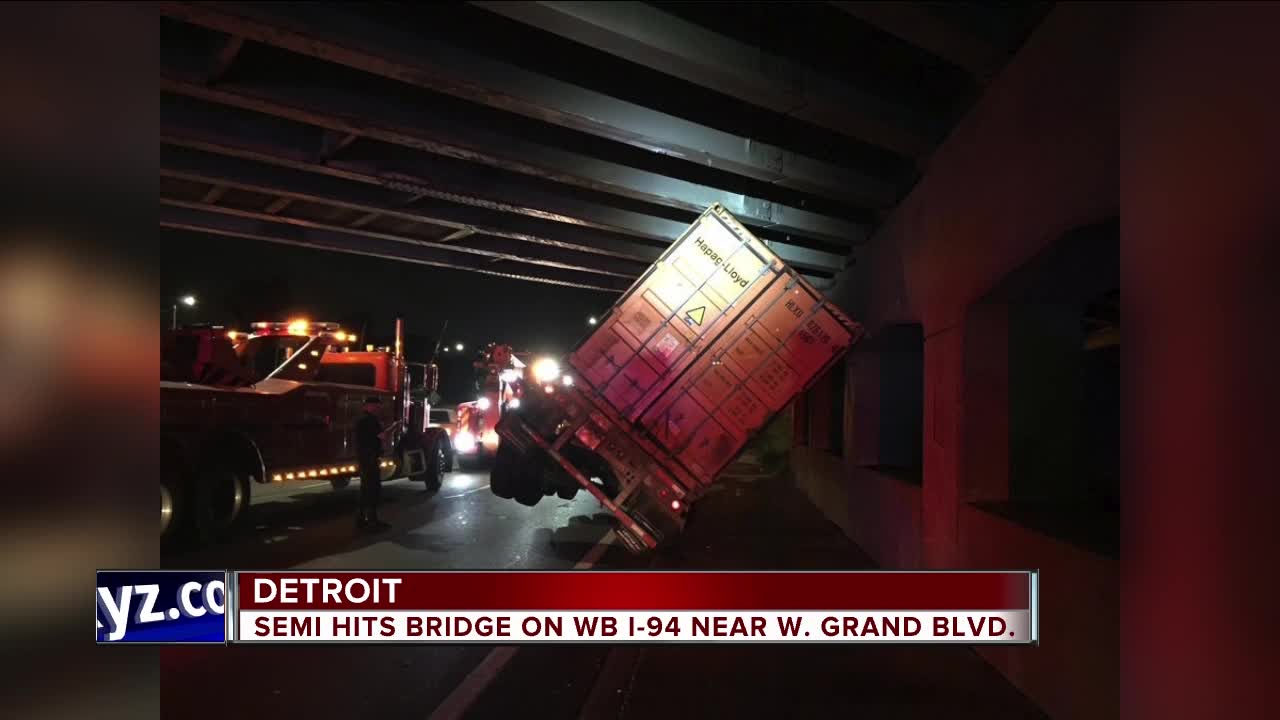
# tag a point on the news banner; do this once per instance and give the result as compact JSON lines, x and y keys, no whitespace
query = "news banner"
{"x":490,"y":607}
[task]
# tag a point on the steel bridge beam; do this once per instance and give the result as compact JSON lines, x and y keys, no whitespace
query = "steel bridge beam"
{"x":339,"y":35}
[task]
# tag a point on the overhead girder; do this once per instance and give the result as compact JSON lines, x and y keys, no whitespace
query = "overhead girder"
{"x":341,"y":35}
{"x":237,"y":173}
{"x":477,"y":245}
{"x":642,"y":34}
{"x":582,"y":225}
{"x":194,"y":220}
{"x":392,"y":121}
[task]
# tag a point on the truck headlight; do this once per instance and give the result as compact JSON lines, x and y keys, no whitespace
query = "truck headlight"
{"x":514,"y":404}
{"x":482,"y":403}
{"x":545,"y":370}
{"x":464,"y":442}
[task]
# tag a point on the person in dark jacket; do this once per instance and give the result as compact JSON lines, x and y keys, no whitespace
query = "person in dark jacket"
{"x":369,"y":438}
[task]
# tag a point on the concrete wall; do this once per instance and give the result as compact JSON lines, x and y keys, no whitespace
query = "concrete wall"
{"x":1094,"y":115}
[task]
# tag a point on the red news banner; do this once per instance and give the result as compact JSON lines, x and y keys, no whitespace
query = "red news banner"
{"x":615,"y":607}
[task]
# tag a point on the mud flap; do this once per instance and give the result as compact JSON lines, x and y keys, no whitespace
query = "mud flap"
{"x":413,"y":462}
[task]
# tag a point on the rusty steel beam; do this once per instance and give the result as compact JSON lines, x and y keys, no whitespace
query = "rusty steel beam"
{"x":390,"y":122}
{"x":341,"y":35}
{"x":223,"y":224}
{"x":915,"y":25}
{"x":645,"y":35}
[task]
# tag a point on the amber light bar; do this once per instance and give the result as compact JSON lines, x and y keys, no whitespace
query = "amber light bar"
{"x":322,"y":471}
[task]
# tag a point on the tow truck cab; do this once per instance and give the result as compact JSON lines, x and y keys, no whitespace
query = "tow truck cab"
{"x":279,"y":404}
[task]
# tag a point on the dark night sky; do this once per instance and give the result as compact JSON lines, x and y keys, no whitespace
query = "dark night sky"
{"x":240,"y":281}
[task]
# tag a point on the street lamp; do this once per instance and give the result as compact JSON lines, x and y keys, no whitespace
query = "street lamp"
{"x":458,"y":347}
{"x":591,"y":320}
{"x":189,"y":301}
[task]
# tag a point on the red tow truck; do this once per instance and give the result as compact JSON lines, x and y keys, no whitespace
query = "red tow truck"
{"x":501,"y":377}
{"x":713,"y":340}
{"x":278,"y":405}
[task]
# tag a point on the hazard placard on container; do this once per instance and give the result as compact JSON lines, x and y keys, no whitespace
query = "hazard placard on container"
{"x":664,"y":350}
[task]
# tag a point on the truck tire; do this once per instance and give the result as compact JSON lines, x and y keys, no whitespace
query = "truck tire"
{"x":339,"y":483}
{"x":436,"y":458}
{"x":173,"y":516}
{"x":529,"y":485}
{"x":528,"y":496}
{"x":567,"y":493}
{"x":221,"y":500}
{"x":174,"y":505}
{"x":502,"y":477}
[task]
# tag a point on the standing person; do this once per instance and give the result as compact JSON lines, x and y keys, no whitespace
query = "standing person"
{"x":369,"y":437}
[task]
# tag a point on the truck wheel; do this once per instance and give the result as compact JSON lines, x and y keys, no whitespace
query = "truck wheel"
{"x":528,"y":496}
{"x":221,"y":499}
{"x":436,"y":468}
{"x":339,"y":483}
{"x":172,"y":507}
{"x":502,"y":477}
{"x":567,"y":493}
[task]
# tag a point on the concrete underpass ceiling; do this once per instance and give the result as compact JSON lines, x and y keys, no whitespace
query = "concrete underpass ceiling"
{"x":563,"y":143}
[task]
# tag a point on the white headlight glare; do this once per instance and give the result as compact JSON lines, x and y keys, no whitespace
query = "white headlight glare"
{"x":545,"y":370}
{"x":482,"y":403}
{"x":465,"y":442}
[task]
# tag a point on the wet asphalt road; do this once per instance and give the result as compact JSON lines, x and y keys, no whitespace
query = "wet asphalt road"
{"x":309,"y":525}
{"x":463,"y":526}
